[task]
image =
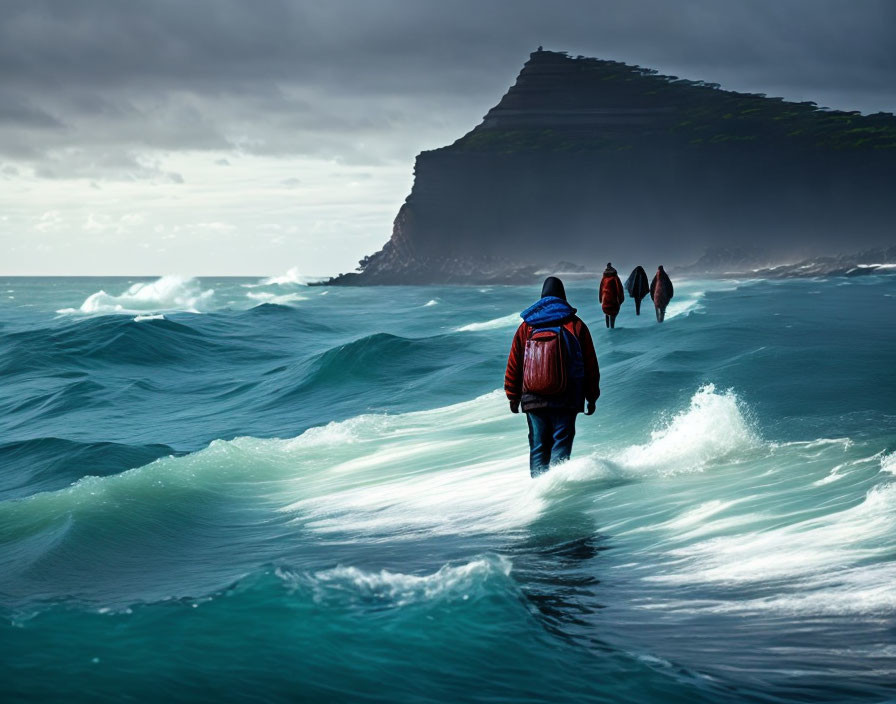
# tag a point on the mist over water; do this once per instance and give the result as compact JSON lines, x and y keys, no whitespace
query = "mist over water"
{"x":257,"y":489}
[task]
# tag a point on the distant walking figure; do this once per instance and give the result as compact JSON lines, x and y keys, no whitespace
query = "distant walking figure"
{"x":661,"y":291}
{"x":637,"y":286}
{"x":552,"y":372}
{"x":611,"y":295}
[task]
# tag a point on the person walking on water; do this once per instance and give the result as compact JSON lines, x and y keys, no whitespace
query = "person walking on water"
{"x":661,"y":291}
{"x":552,"y":374}
{"x":637,"y":286}
{"x":611,"y":295}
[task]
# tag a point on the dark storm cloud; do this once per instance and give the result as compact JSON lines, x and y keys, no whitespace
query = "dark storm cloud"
{"x":14,"y":110}
{"x":370,"y":81}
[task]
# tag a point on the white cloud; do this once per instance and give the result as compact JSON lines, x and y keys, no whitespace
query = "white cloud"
{"x":220,"y":221}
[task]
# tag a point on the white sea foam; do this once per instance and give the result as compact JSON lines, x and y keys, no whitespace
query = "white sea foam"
{"x":415,"y":473}
{"x":690,"y":294}
{"x":290,"y":278}
{"x":875,"y":266}
{"x":705,"y":519}
{"x":680,"y":306}
{"x":698,"y":515}
{"x":832,"y":476}
{"x":430,"y":303}
{"x":505,"y":321}
{"x":865,"y":590}
{"x":888,"y":463}
{"x":449,"y":581}
{"x":457,"y":470}
{"x":845,"y":443}
{"x":152,"y":316}
{"x":842,"y":469}
{"x":281,"y":300}
{"x":342,"y":432}
{"x":711,"y":427}
{"x":815,"y":546}
{"x":169,"y":294}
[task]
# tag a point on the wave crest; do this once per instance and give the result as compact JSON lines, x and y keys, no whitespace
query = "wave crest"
{"x":291,"y":278}
{"x":711,"y":427}
{"x":449,"y":582}
{"x":168,"y":294}
{"x":505,"y":321}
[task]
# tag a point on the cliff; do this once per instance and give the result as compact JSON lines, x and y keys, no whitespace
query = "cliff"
{"x":585,"y":160}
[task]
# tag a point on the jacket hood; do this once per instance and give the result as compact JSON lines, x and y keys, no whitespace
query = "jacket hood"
{"x":547,"y":310}
{"x":553,"y":287}
{"x":609,"y":271}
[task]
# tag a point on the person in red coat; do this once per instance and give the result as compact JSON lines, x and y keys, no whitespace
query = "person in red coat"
{"x":551,"y":416}
{"x":661,"y":292}
{"x":612,"y":294}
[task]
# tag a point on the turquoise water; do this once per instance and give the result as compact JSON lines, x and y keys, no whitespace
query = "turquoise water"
{"x":234,"y":489}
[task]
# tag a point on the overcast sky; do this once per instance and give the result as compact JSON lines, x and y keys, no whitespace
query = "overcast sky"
{"x":248,"y":137}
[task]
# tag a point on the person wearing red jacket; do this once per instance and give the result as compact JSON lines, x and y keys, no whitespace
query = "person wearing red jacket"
{"x":661,"y":291}
{"x":551,"y":417}
{"x":611,"y":295}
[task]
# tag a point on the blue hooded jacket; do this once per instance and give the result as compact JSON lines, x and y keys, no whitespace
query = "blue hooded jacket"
{"x":549,"y":309}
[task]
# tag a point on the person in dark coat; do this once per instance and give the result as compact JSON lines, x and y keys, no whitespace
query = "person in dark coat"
{"x":637,"y":286}
{"x":552,"y":418}
{"x":661,"y":291}
{"x":611,"y":295}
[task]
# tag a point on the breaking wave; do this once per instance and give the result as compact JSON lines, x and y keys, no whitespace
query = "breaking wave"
{"x":168,"y":294}
{"x":399,"y":475}
{"x":291,"y":278}
{"x":714,"y":425}
{"x":449,"y":582}
{"x":505,"y":321}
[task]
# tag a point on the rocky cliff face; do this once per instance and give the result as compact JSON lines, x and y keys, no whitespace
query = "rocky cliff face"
{"x":586,"y":161}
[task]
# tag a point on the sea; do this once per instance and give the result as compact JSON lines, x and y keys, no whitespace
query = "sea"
{"x":256,"y":490}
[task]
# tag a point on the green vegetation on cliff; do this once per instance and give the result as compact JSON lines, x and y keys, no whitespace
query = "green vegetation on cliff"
{"x":672,"y":109}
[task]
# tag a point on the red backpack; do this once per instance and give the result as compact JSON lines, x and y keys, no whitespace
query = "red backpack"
{"x":546,"y":361}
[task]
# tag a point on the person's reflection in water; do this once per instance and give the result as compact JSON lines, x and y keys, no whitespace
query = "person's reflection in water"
{"x":554,"y":564}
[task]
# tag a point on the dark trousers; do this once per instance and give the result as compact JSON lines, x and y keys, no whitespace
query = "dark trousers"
{"x":660,"y":314}
{"x":611,"y":320}
{"x":551,"y":432}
